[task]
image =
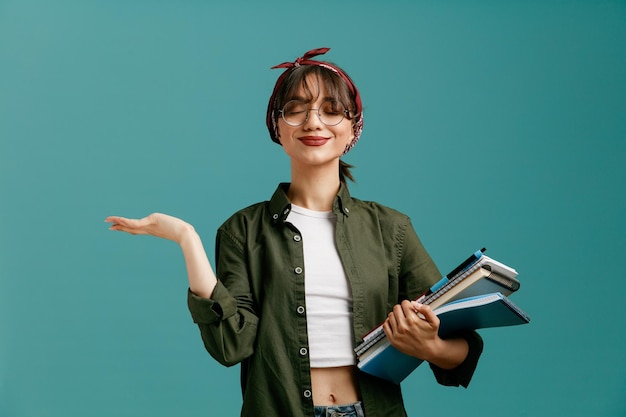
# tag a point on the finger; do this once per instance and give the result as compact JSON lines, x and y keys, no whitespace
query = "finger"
{"x":122,"y":224}
{"x":119,"y":220}
{"x":400,"y":315}
{"x":409,"y":310}
{"x":412,"y":316}
{"x":112,"y":219}
{"x":427,"y":313}
{"x":135,"y":223}
{"x":120,"y":228}
{"x":392,"y":321}
{"x":387,"y":328}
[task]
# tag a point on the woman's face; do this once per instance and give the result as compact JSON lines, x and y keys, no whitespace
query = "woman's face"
{"x":315,"y":143}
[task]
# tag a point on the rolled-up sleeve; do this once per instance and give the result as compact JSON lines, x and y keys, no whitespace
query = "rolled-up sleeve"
{"x":227,"y":321}
{"x":462,"y":374}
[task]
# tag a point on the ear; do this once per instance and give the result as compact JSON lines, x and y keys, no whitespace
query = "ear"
{"x":277,"y":133}
{"x":353,"y":135}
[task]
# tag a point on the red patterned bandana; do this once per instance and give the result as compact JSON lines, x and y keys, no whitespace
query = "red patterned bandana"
{"x":306,"y":60}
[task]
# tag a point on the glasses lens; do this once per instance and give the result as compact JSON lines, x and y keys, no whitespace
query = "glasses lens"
{"x":295,"y":112}
{"x":332,"y":113}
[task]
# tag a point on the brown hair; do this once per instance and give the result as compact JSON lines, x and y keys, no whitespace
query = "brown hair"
{"x":336,"y":88}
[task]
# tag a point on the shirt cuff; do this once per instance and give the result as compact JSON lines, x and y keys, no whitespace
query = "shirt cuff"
{"x":462,"y":374}
{"x":209,"y":310}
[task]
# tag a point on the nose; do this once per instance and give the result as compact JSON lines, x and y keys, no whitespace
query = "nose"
{"x":313,"y":120}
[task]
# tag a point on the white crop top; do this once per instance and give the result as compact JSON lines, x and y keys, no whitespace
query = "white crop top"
{"x":327,"y":291}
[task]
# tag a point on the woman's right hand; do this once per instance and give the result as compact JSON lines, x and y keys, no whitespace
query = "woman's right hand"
{"x":156,"y":224}
{"x":202,"y":279}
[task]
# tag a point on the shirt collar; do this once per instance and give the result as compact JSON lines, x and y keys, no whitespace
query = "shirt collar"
{"x":280,"y":206}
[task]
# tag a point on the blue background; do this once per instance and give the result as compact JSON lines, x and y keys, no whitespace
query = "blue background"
{"x":491,"y":123}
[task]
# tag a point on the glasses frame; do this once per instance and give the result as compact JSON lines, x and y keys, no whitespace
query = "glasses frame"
{"x":346,"y":115}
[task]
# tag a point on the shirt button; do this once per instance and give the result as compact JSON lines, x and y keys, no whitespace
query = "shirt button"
{"x":297,"y":238}
{"x":303,"y":351}
{"x":298,"y":270}
{"x":307,"y":393}
{"x":346,"y":210}
{"x":286,"y":211}
{"x":300,"y":309}
{"x":275,"y":216}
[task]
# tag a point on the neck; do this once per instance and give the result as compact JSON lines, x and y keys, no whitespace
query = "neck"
{"x":315,"y":189}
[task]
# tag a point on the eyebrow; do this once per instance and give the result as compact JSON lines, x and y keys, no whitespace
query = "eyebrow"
{"x":303,"y":99}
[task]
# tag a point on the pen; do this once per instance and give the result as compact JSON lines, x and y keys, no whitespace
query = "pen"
{"x":466,"y":264}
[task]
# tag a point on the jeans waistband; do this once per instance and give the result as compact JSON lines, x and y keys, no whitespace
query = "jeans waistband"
{"x":345,"y":410}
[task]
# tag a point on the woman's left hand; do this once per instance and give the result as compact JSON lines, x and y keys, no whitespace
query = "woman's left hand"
{"x":412,"y":329}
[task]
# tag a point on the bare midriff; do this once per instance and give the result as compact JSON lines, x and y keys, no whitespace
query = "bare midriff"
{"x":334,"y":386}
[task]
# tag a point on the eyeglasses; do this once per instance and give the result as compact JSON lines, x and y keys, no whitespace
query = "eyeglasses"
{"x":296,"y":113}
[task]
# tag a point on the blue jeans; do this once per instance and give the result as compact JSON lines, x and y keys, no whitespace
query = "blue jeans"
{"x":349,"y":410}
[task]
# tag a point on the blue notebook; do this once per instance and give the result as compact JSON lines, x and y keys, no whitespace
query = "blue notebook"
{"x":479,"y":312}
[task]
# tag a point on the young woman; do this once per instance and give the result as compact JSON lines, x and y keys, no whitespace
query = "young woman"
{"x":301,"y":277}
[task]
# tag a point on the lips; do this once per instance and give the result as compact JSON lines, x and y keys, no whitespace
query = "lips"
{"x":313,"y":140}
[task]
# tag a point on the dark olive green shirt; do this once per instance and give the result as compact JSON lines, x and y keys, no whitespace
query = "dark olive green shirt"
{"x":257,"y":313}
